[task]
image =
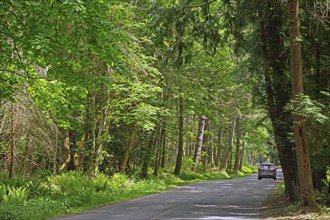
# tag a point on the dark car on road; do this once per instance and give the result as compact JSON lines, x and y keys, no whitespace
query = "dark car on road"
{"x":266,"y":170}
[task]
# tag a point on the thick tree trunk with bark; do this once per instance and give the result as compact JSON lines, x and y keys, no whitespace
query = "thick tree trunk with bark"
{"x":277,"y":97}
{"x":302,"y":149}
{"x":199,"y":142}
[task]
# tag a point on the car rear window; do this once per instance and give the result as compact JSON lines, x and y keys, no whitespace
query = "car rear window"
{"x":267,"y":166}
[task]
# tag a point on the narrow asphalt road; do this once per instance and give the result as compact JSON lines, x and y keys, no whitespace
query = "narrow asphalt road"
{"x":221,"y":199}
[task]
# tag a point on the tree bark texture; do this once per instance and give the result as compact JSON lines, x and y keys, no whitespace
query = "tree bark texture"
{"x":147,"y":156}
{"x":180,"y":142}
{"x":158,"y":149}
{"x":205,"y":145}
{"x":302,"y":149}
{"x":227,"y":156}
{"x":219,"y":148}
{"x":102,"y":130}
{"x":163,"y":146}
{"x":238,"y":146}
{"x":12,"y":141}
{"x":240,"y":167}
{"x":129,"y":147}
{"x":73,"y":148}
{"x":277,"y":97}
{"x":67,"y":151}
{"x":199,"y":143}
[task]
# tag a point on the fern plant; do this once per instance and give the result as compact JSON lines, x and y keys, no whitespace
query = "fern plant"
{"x":101,"y":182}
{"x":3,"y":191}
{"x":16,"y":195}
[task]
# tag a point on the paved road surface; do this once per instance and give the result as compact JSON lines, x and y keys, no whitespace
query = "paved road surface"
{"x":229,"y":199}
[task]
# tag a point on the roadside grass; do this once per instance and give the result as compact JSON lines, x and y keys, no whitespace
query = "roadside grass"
{"x":278,"y":206}
{"x":50,"y":196}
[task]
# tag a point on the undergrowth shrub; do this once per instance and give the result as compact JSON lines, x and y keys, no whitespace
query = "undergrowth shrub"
{"x":101,"y":182}
{"x":249,"y":169}
{"x":3,"y":191}
{"x":34,"y":209}
{"x":191,"y":175}
{"x":68,"y":183}
{"x":17,"y":195}
{"x":117,"y":182}
{"x":75,"y":187}
{"x":187,"y":164}
{"x":15,"y":181}
{"x":72,"y":191}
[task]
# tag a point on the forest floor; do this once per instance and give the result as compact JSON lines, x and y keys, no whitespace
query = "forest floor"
{"x":278,"y":206}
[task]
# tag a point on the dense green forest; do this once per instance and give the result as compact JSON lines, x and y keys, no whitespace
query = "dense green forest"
{"x":136,"y":88}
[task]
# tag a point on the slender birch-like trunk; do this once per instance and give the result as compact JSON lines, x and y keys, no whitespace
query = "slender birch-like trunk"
{"x":199,"y":143}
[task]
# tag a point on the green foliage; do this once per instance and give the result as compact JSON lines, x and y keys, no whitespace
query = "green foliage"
{"x":133,"y":103}
{"x":281,"y":188}
{"x":74,"y":191}
{"x":101,"y":182}
{"x":35,"y":209}
{"x":187,"y":164}
{"x":249,"y":169}
{"x":17,"y":195}
{"x":69,"y":183}
{"x":3,"y":191}
{"x":311,"y":110}
{"x":59,"y":101}
{"x":117,"y":182}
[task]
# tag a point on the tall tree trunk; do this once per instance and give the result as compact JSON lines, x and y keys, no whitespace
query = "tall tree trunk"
{"x":147,"y":156}
{"x":188,"y":137}
{"x":73,"y":148}
{"x":12,"y":141}
{"x":279,"y":118}
{"x":158,"y":150}
{"x":219,"y":144}
{"x":163,"y":146}
{"x":130,"y":145}
{"x":103,"y":129}
{"x":205,"y":147}
{"x":55,"y":156}
{"x":302,"y":149}
{"x":227,"y":155}
{"x":238,"y":146}
{"x":199,"y":142}
{"x":240,"y":168}
{"x":180,"y":142}
{"x":67,"y":153}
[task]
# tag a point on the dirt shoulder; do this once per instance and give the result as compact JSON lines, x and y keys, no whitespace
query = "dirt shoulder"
{"x":278,"y":206}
